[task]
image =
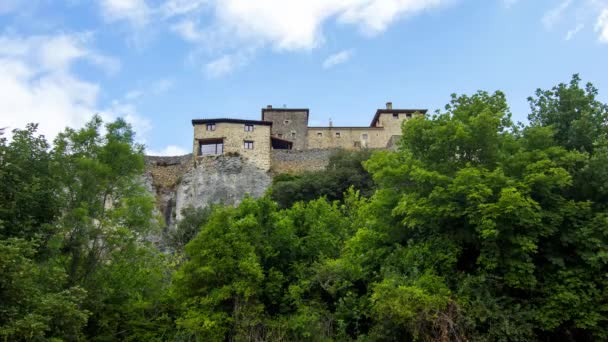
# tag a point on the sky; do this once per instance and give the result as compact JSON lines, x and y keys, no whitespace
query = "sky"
{"x":161,"y":63}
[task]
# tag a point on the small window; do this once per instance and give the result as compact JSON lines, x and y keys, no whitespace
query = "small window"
{"x":293,"y":135}
{"x":248,"y":128}
{"x":319,"y":134}
{"x":337,"y":134}
{"x":408,"y":115}
{"x":286,"y":122}
{"x":211,"y":127}
{"x":364,"y":136}
{"x":395,"y":115}
{"x":248,"y":145}
{"x":357,"y":144}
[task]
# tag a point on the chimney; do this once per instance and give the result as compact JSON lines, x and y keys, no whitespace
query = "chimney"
{"x":331,"y":124}
{"x":269,"y":107}
{"x":389,"y":105}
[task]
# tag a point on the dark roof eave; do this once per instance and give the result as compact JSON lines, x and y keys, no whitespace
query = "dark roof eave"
{"x":225,"y":120}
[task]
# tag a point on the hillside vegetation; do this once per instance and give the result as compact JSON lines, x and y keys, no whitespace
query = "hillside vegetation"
{"x":476,"y":229}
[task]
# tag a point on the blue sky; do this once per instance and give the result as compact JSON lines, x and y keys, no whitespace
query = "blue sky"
{"x":161,"y":63}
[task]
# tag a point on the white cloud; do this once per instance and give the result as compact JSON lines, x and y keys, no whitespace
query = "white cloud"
{"x":601,"y":26}
{"x":554,"y":15}
{"x":38,"y":85}
{"x":337,"y":58}
{"x":135,"y":12}
{"x":187,"y":30}
{"x":297,"y":24}
{"x":225,"y":64}
{"x":571,"y":33}
{"x":171,"y":150}
{"x":284,"y":24}
{"x":179,"y":7}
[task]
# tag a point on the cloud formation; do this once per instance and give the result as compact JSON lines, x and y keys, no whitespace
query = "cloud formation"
{"x":222,"y":29}
{"x":297,"y":24}
{"x":135,"y":12}
{"x":601,"y":25}
{"x":37,"y":83}
{"x":555,"y":14}
{"x":337,"y":58}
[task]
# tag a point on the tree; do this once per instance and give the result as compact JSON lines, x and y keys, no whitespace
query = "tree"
{"x":344,"y":170}
{"x":577,"y":117}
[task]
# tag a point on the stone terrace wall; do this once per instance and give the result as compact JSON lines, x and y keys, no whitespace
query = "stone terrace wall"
{"x":294,"y":161}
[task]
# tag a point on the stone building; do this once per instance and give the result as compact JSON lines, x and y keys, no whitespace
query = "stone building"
{"x":287,"y":129}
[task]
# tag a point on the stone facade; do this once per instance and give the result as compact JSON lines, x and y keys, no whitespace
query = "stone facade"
{"x":289,"y":124}
{"x":287,"y":128}
{"x":297,"y":161}
{"x":252,"y":143}
{"x":346,"y":137}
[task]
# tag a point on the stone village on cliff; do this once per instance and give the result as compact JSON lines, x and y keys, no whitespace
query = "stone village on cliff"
{"x":233,"y":157}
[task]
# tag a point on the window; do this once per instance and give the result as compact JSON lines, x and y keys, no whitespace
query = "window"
{"x":293,"y":135}
{"x":211,"y":127}
{"x":319,"y":134}
{"x":408,"y":115}
{"x":248,"y":145}
{"x":248,"y":128}
{"x":211,"y":147}
{"x":395,"y":115}
{"x":337,"y":134}
{"x":364,"y":136}
{"x":357,"y":144}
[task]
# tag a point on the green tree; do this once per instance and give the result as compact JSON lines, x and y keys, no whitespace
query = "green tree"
{"x":577,"y":117}
{"x":344,"y":170}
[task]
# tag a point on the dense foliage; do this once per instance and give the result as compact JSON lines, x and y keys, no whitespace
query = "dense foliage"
{"x":344,"y":170}
{"x":475,"y":229}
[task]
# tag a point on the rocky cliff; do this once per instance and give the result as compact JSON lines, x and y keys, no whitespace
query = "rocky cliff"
{"x":179,"y":182}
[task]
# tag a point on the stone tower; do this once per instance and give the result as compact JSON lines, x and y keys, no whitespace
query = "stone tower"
{"x":289,"y":124}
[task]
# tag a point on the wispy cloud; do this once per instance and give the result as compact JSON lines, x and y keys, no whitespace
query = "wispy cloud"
{"x":136,"y":12}
{"x":337,"y":58}
{"x":554,"y":15}
{"x":225,"y":64}
{"x":571,"y":33}
{"x":601,"y":25}
{"x":187,"y":30}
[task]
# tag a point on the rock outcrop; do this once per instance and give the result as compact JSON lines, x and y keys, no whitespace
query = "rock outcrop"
{"x":221,"y":179}
{"x":179,"y":182}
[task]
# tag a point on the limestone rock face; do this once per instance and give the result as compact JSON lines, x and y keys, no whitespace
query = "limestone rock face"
{"x":222,"y":179}
{"x":181,"y":182}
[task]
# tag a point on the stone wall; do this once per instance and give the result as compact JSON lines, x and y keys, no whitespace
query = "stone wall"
{"x":293,"y":161}
{"x":346,"y":137}
{"x":234,"y":136}
{"x":288,"y":124}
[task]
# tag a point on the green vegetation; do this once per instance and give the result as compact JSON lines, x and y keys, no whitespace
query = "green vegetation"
{"x":476,"y":229}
